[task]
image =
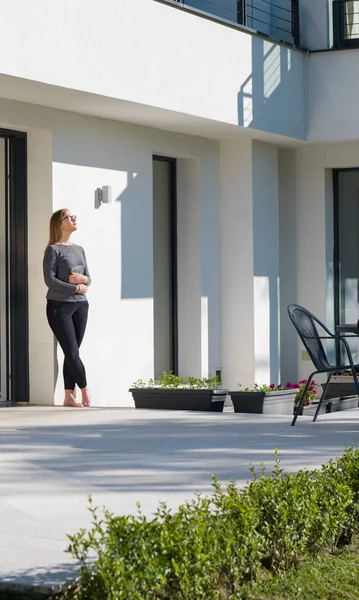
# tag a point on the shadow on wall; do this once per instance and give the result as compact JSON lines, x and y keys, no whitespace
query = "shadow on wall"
{"x":272,"y":97}
{"x":288,"y":259}
{"x":136,"y":238}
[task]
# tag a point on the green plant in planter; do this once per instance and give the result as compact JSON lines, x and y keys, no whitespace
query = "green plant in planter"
{"x":265,"y":388}
{"x":170,"y":381}
{"x":310,"y":397}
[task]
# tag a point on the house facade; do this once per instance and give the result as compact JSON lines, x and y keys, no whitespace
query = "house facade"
{"x":210,"y":151}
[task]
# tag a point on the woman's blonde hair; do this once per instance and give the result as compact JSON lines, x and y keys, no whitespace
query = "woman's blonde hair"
{"x":55,"y":226}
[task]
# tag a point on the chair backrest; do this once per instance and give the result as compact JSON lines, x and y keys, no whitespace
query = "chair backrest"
{"x":305,"y":324}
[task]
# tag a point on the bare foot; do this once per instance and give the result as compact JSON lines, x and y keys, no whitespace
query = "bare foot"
{"x":86,"y":397}
{"x":72,"y":402}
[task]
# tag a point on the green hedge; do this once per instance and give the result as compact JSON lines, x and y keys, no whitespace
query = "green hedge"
{"x":213,"y":545}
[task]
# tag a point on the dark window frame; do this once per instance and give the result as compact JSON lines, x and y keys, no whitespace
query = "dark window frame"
{"x":174,"y":259}
{"x":16,"y":240}
{"x":336,"y":254}
{"x":339,"y":41}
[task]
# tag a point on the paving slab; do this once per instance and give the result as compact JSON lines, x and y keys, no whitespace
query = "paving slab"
{"x":52,"y":458}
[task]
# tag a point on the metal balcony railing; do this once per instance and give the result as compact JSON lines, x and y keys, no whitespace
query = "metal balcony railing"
{"x":277,"y":19}
{"x":346,"y":23}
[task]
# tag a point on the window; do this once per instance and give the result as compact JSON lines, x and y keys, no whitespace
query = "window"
{"x":346,"y":23}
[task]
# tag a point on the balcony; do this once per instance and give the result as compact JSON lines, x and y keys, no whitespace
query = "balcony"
{"x":346,"y":23}
{"x":277,"y":19}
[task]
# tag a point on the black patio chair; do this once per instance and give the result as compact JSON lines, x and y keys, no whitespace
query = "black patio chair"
{"x":306,"y":326}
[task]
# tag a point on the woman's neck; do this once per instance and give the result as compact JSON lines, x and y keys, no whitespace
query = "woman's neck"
{"x":65,"y":240}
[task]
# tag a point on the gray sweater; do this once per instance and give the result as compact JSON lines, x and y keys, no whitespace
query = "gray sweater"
{"x":59,"y":261}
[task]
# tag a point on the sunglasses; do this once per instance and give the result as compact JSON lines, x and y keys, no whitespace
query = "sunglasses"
{"x":69,"y":218}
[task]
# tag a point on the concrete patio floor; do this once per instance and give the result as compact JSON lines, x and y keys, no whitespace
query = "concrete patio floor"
{"x":51,"y":458}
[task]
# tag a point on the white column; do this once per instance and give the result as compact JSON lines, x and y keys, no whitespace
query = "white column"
{"x":266,"y":262}
{"x":288,"y":234}
{"x":210,"y":264}
{"x":236,"y":218}
{"x":41,"y":340}
{"x":189,"y":268}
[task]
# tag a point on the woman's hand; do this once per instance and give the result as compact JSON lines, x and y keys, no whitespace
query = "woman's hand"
{"x":82,"y":288}
{"x":77,"y":278}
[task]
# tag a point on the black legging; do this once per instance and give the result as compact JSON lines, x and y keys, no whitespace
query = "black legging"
{"x":68,"y":322}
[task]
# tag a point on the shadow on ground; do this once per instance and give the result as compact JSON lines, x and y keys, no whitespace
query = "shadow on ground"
{"x":169,"y":454}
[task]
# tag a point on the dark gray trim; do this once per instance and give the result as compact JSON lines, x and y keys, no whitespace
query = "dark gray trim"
{"x":16,"y":265}
{"x":19,"y":350}
{"x":295,"y":22}
{"x":320,"y":51}
{"x":241,"y":12}
{"x":339,"y":41}
{"x":336,"y":256}
{"x":336,"y":273}
{"x":11,"y":133}
{"x":174,"y":259}
{"x":174,"y":267}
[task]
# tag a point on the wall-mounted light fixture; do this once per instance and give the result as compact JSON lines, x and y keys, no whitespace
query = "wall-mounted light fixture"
{"x":103,"y":195}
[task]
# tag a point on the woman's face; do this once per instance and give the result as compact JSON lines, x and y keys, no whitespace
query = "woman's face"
{"x":68,"y":222}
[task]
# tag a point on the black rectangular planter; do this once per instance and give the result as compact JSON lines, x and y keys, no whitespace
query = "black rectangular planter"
{"x":341,"y":389}
{"x":338,"y":404}
{"x":309,"y":409}
{"x":280,"y":402}
{"x":179,"y":399}
{"x":330,"y":406}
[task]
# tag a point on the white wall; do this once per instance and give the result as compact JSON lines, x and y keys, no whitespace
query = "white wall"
{"x":333,"y":88}
{"x":85,"y":154}
{"x":153,"y":54}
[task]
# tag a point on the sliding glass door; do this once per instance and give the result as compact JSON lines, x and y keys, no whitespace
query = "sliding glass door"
{"x":346,"y":249}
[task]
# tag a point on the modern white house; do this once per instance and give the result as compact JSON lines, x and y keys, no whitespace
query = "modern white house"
{"x":210,"y":150}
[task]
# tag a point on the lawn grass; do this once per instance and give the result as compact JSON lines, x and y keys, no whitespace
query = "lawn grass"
{"x":332,"y":576}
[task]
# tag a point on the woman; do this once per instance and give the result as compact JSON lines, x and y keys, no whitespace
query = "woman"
{"x":67,"y":277}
